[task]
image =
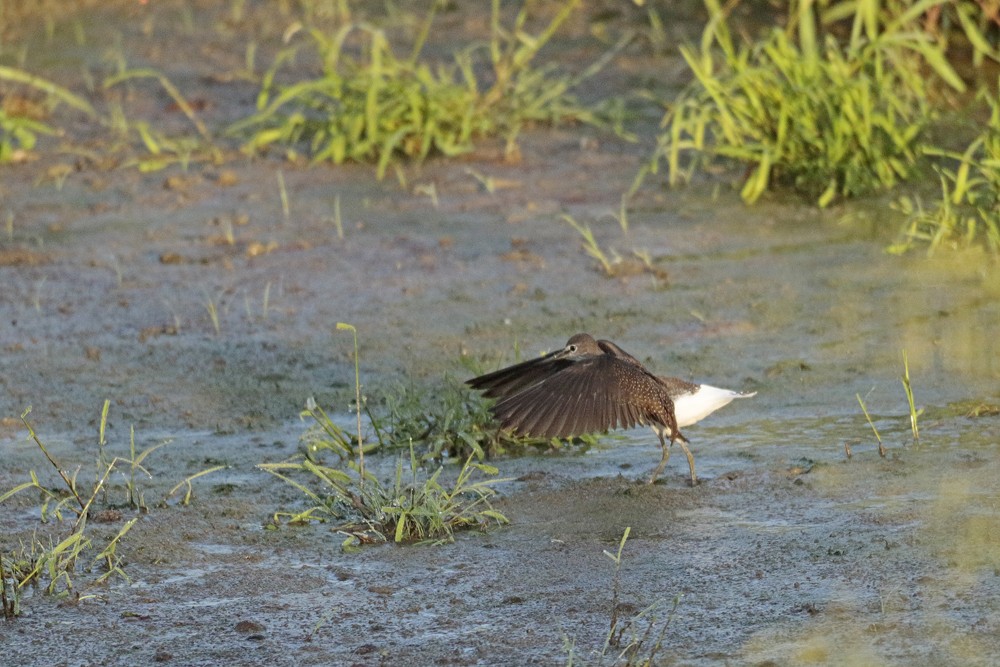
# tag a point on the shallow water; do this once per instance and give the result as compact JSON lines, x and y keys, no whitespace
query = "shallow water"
{"x":788,"y":552}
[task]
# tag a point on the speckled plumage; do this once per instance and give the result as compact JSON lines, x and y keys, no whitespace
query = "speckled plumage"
{"x":592,"y":386}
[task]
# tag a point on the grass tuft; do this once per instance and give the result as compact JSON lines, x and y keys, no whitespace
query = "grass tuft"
{"x":614,"y":265}
{"x":380,"y":107}
{"x":914,"y":413}
{"x":825,"y":115}
{"x":634,"y":641}
{"x":163,"y":150}
{"x":412,"y":506}
{"x":53,"y":561}
{"x":968,"y":211}
{"x":19,"y":128}
{"x":447,"y":420}
{"x":57,"y":562}
{"x":171,"y":90}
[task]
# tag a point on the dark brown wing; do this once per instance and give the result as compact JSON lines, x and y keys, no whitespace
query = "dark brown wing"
{"x":512,"y":379}
{"x":613,"y":350}
{"x":589,"y":396}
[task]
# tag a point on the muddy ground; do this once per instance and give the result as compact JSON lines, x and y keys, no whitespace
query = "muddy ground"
{"x":788,"y":552}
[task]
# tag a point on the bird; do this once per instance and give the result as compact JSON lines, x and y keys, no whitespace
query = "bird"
{"x":593,"y":386}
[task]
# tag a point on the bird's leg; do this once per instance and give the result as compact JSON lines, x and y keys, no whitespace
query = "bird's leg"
{"x":682,"y":441}
{"x":665,"y":446}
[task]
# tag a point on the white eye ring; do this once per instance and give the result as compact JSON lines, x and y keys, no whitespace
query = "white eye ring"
{"x":571,"y":348}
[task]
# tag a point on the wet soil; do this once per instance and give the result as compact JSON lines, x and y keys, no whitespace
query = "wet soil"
{"x":787,"y":552}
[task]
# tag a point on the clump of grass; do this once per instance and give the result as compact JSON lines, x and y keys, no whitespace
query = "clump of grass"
{"x":975,"y":409}
{"x":171,"y":90}
{"x":968,"y":211}
{"x":612,"y":264}
{"x":443,"y":420}
{"x":381,"y":107}
{"x":592,"y":247}
{"x":640,"y":645}
{"x":828,"y":117}
{"x":914,"y":413}
{"x":18,"y":135}
{"x":188,"y":486}
{"x":412,"y":506}
{"x":163,"y":150}
{"x":448,"y":420}
{"x":631,"y":648}
{"x":19,"y":131}
{"x":56,"y":562}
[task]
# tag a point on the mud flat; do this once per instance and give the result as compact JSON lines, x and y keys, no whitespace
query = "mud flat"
{"x":127,"y":286}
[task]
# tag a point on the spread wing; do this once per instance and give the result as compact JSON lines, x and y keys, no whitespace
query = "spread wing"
{"x":512,"y":379}
{"x":612,"y":349}
{"x":590,"y":395}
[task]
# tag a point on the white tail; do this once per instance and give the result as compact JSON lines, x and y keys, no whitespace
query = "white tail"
{"x":694,"y":406}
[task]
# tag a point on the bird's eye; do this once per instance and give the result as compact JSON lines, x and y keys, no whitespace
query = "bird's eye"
{"x":571,"y":348}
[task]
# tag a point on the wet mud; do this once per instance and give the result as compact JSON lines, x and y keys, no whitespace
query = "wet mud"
{"x":788,"y":552}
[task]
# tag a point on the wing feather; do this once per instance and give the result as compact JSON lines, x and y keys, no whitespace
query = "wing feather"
{"x":512,"y":379}
{"x":587,"y":396}
{"x":559,"y":396}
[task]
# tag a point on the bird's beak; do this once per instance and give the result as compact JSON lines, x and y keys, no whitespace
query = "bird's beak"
{"x":560,"y":354}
